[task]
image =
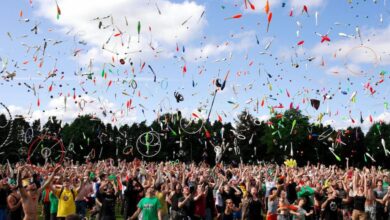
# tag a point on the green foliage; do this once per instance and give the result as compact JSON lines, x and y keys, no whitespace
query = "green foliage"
{"x":284,"y":135}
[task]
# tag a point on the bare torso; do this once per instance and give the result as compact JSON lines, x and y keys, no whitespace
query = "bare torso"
{"x":30,"y":206}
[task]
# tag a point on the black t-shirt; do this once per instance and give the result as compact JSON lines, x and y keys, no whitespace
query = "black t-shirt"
{"x":131,"y":196}
{"x":175,"y":201}
{"x":227,"y":217}
{"x":108,"y":205}
{"x":342,"y":195}
{"x":291,"y":192}
{"x":331,"y":209}
{"x":358,"y":203}
{"x":231,"y":195}
{"x":188,"y":208}
{"x":254,"y":210}
{"x":3,"y":198}
{"x":319,"y":196}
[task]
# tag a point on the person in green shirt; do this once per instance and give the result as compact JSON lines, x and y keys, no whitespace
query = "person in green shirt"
{"x":150,"y":207}
{"x":53,"y":206}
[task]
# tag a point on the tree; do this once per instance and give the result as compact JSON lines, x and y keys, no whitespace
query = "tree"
{"x":286,"y":133}
{"x":373,"y":143}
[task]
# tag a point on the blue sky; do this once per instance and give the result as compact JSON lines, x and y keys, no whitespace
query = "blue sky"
{"x":208,"y":46}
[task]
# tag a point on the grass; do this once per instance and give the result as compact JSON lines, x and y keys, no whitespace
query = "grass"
{"x":118,"y":216}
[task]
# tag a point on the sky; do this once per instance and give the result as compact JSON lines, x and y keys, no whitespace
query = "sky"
{"x":124,"y":60}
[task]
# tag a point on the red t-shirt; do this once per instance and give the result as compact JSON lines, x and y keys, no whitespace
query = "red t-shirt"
{"x":200,"y":207}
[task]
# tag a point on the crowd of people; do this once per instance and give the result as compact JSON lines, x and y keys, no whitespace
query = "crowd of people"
{"x":111,"y":189}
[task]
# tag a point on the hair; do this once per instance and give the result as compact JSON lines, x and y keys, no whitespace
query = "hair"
{"x":157,"y":186}
{"x":272,"y":189}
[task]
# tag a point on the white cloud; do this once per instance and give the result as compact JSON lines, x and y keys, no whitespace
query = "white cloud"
{"x":89,"y":106}
{"x":365,"y":126}
{"x":166,"y":29}
{"x":309,"y":3}
{"x":260,"y":4}
{"x":240,"y":42}
{"x":358,"y":59}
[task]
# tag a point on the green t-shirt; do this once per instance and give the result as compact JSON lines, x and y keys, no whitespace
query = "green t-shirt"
{"x":149,"y":207}
{"x":385,"y":185}
{"x":53,"y":203}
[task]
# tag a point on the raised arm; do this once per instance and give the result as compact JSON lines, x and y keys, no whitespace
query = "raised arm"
{"x":22,"y":190}
{"x":354,"y":182}
{"x":50,"y":179}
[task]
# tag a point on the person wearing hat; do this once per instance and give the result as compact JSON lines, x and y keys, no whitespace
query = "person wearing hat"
{"x":31,"y":193}
{"x":66,"y":198}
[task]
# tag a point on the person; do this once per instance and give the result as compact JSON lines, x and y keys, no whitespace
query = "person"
{"x":379,"y":193}
{"x":66,"y":198}
{"x":14,"y":202}
{"x":82,"y":197}
{"x":254,"y":208}
{"x":301,"y":213}
{"x":273,"y":201}
{"x":359,"y":199}
{"x":3,"y":199}
{"x":283,"y":207}
{"x":200,"y":202}
{"x":161,"y":193}
{"x":229,"y":210}
{"x":31,"y":193}
{"x":53,"y":206}
{"x":187,"y":204}
{"x":149,"y":206}
{"x":46,"y":203}
{"x":106,"y":197}
{"x":330,"y":207}
{"x":132,"y":196}
{"x":319,"y":197}
{"x":173,"y":200}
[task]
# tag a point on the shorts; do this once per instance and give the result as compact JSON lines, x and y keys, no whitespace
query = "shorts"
{"x":370,"y":210}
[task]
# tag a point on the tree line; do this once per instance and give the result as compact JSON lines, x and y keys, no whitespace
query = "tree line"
{"x":285,"y":135}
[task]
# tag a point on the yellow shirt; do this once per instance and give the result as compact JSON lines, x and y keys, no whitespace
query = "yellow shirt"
{"x":164,"y":205}
{"x":66,"y":203}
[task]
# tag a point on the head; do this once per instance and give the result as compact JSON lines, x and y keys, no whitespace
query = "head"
{"x":339,"y":184}
{"x":379,"y":184}
{"x":301,"y":202}
{"x":226,"y":188}
{"x":109,"y":189}
{"x":253,"y":191}
{"x":178,"y":188}
{"x":157,"y":187}
{"x":66,"y":183}
{"x":273,"y":191}
{"x":13,"y":187}
{"x":186,"y":190}
{"x":31,"y":187}
{"x":150,"y":192}
{"x":229,"y":203}
{"x":283,"y":194}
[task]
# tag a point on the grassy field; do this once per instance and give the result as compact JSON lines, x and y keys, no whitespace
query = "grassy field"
{"x":117,"y":211}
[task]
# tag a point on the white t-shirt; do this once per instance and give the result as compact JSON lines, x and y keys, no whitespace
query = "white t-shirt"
{"x":268,"y":186}
{"x":218,"y":199}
